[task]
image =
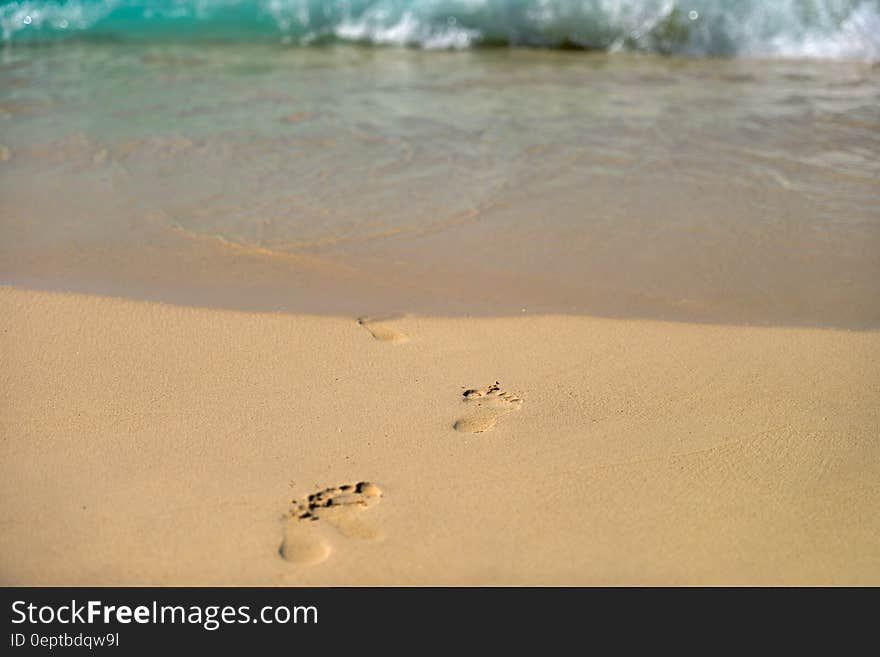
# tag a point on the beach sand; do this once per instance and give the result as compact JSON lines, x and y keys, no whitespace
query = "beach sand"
{"x":145,"y":443}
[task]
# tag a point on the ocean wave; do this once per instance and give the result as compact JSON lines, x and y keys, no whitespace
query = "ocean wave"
{"x":823,"y":29}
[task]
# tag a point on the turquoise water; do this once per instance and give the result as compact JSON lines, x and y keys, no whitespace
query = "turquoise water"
{"x":824,"y":29}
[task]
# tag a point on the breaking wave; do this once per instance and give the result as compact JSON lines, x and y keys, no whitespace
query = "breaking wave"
{"x":824,"y":29}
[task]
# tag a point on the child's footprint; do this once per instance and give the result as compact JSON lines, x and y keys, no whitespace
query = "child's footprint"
{"x":305,"y":538}
{"x":486,"y":407}
{"x":379,"y":329}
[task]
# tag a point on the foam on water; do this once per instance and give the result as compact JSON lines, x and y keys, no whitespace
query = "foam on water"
{"x":822,"y":29}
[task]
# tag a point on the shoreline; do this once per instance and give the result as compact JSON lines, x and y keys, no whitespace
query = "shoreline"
{"x":155,"y":264}
{"x":326,"y":182}
{"x":146,"y":443}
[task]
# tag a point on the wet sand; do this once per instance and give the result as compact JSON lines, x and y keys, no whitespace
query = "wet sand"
{"x":158,"y":444}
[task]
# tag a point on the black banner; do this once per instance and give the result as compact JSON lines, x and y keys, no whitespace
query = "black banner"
{"x":127,"y":621}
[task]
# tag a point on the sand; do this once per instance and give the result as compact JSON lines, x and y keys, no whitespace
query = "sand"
{"x":155,"y":444}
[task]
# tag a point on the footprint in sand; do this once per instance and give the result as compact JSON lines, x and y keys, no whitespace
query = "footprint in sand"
{"x":305,"y":536}
{"x":380,"y":330}
{"x":486,"y":407}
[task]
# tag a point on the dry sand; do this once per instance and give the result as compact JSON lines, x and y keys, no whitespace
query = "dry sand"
{"x":153,"y":444}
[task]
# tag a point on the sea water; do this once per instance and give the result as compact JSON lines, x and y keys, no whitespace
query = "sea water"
{"x":817,"y":28}
{"x":709,"y":161}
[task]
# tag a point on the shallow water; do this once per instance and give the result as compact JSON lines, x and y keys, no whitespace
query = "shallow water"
{"x":366,"y":180}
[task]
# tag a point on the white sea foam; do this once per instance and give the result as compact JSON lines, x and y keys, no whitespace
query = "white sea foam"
{"x":825,"y":29}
